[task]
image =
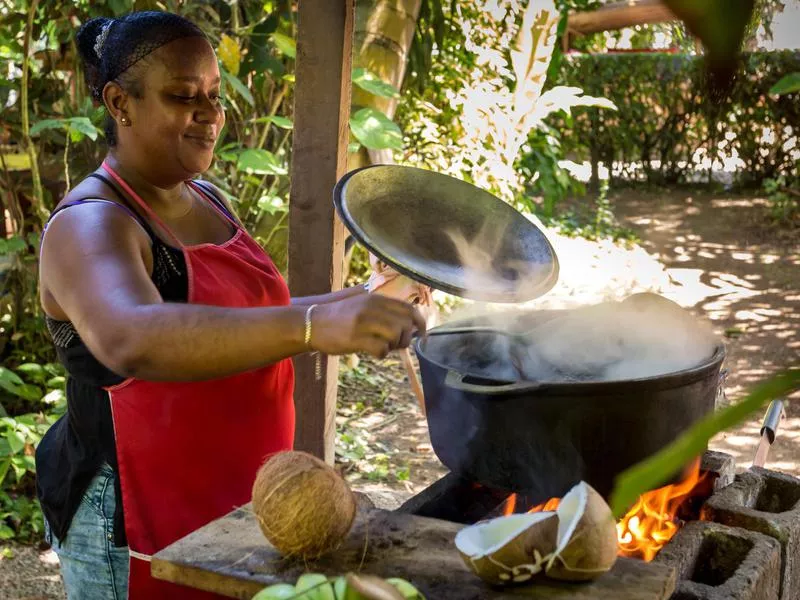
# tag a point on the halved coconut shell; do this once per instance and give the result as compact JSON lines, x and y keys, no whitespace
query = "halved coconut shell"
{"x":510,"y":549}
{"x":587,"y":536}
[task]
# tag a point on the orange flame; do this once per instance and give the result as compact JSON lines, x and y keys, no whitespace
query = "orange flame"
{"x":650,"y":524}
{"x":509,"y":505}
{"x":551,"y":504}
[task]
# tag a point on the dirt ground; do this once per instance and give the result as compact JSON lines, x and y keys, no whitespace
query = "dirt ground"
{"x":715,"y":254}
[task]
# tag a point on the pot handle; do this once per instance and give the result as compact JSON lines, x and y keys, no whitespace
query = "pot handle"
{"x":455,"y":380}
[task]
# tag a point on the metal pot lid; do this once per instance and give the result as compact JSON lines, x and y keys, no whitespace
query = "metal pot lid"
{"x":446,"y":233}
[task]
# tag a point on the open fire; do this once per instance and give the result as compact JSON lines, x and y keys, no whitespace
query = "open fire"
{"x":651,"y":523}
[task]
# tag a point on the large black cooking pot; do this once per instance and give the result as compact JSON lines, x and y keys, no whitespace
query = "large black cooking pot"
{"x":539,"y":438}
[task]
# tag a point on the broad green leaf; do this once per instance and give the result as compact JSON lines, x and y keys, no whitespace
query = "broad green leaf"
{"x":230,"y":54}
{"x":375,"y":130}
{"x":261,"y":162}
{"x":84,"y":126}
{"x":59,"y":381}
{"x":15,"y":244}
{"x":9,"y":376}
{"x":285,"y":44}
{"x":788,"y":84}
{"x":18,"y":466}
{"x":370,"y":82}
{"x":15,"y":440}
{"x":6,"y":533}
{"x":240,"y":88}
{"x":652,"y":472}
{"x":277,"y":120}
{"x":5,"y":464}
{"x":40,"y":126}
{"x":31,"y":369}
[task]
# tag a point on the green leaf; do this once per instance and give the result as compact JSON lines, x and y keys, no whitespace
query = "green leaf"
{"x":6,"y":533}
{"x":353,"y":147}
{"x":285,"y":44}
{"x":370,"y":82}
{"x":31,"y":369}
{"x":16,"y":441}
{"x":271,"y":204}
{"x":788,"y":84}
{"x":375,"y":130}
{"x":40,"y":126}
{"x":84,"y":126}
{"x":15,"y":245}
{"x":240,"y":88}
{"x":19,"y":467}
{"x":261,"y":162}
{"x":8,"y":375}
{"x":652,"y":472}
{"x":277,"y":120}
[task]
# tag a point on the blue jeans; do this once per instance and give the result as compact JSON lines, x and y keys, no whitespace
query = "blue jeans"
{"x":91,"y":566}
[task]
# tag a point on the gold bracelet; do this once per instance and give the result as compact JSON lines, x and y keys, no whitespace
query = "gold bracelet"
{"x":307,"y":336}
{"x":307,"y":340}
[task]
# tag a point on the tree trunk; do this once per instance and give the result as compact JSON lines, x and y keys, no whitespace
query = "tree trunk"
{"x":384,"y":31}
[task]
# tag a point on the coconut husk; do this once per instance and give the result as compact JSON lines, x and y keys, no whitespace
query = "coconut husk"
{"x":304,"y":508}
{"x":587,"y":537}
{"x":523,"y":544}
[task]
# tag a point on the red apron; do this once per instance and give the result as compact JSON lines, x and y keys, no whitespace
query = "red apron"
{"x":188,"y":452}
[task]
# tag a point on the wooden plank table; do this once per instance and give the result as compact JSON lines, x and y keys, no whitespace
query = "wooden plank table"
{"x":231,"y":557}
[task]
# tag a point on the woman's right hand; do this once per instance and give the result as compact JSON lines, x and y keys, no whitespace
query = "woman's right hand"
{"x":368,"y":323}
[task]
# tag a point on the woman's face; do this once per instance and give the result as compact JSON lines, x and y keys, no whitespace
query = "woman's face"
{"x":176,"y":121}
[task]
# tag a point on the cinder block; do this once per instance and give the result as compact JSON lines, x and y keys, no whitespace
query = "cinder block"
{"x":721,"y":466}
{"x":766,"y":502}
{"x":716,"y":562}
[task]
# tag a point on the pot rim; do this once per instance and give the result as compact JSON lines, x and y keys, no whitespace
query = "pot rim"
{"x":666,"y":380}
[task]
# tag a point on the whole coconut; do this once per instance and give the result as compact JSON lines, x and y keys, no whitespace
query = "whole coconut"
{"x":304,"y":508}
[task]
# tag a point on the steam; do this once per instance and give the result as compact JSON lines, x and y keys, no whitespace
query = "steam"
{"x":497,"y":258}
{"x":645,"y":335}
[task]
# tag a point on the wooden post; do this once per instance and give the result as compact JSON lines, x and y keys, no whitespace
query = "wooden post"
{"x":319,"y":157}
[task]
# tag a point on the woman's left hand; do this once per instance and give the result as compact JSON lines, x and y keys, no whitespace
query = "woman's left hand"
{"x":386,"y":281}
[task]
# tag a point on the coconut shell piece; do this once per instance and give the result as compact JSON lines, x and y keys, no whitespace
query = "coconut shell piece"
{"x":509,"y":550}
{"x":587,"y":537}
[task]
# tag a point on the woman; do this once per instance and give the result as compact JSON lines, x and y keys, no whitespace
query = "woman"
{"x":174,"y":326}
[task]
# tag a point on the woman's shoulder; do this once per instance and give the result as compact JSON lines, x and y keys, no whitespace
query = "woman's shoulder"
{"x":220,"y":194}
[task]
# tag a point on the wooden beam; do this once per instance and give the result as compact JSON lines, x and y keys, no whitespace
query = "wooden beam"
{"x":618,"y":15}
{"x":319,"y":157}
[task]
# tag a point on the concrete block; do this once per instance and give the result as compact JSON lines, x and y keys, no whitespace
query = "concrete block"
{"x":716,"y":562}
{"x":767,"y":502}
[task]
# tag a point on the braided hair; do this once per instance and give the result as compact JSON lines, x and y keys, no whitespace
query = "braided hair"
{"x":110,"y":47}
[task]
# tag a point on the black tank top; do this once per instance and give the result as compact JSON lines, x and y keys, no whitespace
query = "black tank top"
{"x":73,"y":449}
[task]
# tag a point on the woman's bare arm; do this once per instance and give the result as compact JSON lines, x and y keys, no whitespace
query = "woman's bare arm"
{"x":92,"y":266}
